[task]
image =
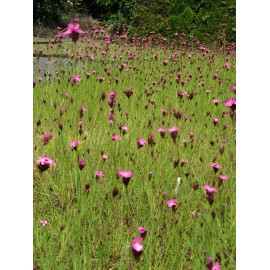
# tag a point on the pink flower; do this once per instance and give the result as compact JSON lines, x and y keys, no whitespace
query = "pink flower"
{"x":194,"y":214}
{"x":215,"y":101}
{"x":104,"y":156}
{"x":124,"y":129}
{"x":74,"y":144}
{"x":136,"y":244}
{"x":174,"y":133}
{"x":209,"y":190}
{"x":81,"y":164}
{"x":226,"y":65}
{"x":173,"y":129}
{"x":73,"y":32}
{"x":44,"y":162}
{"x":80,"y":123}
{"x":116,"y":137}
{"x":47,"y":138}
{"x":75,"y":78}
{"x":141,"y":142}
{"x":142,"y":230}
{"x":223,"y":177}
{"x":181,"y":94}
{"x":215,"y":76}
{"x":216,"y":267}
{"x":215,"y":166}
{"x":43,"y":223}
{"x":59,"y":28}
{"x":165,"y":62}
{"x":231,"y":103}
{"x":171,"y":203}
{"x":126,"y":176}
{"x":100,"y":79}
{"x":162,"y":131}
{"x":76,"y":20}
{"x":233,"y":89}
{"x":99,"y":174}
{"x":215,"y":120}
{"x":87,"y":74}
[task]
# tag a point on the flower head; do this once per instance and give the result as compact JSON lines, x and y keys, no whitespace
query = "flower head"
{"x":141,"y":142}
{"x":142,"y":230}
{"x":231,"y":103}
{"x":75,"y":78}
{"x":43,"y":223}
{"x":73,"y":32}
{"x":171,"y":203}
{"x":81,"y":164}
{"x":99,"y":174}
{"x":215,"y":166}
{"x":44,"y":162}
{"x":136,"y":245}
{"x":126,"y":176}
{"x":74,"y":144}
{"x":116,"y":137}
{"x":47,"y":137}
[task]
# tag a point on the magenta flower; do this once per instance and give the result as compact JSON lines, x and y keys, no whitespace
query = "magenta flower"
{"x":126,"y":176}
{"x":174,"y":133}
{"x":81,"y":164}
{"x":136,"y":245}
{"x":215,"y":120}
{"x":124,"y":129}
{"x":141,"y":142}
{"x":226,"y":65}
{"x":181,"y":94}
{"x":101,"y":79}
{"x":44,"y":163}
{"x":233,"y":89}
{"x":116,"y":137}
{"x":216,"y":267}
{"x":224,"y":177}
{"x":173,"y":129}
{"x":87,"y":74}
{"x":75,"y":78}
{"x":80,"y":123}
{"x":215,"y":166}
{"x":142,"y":230}
{"x":215,"y":101}
{"x":171,"y":203}
{"x":231,"y":103}
{"x":162,"y":131}
{"x":47,"y":137}
{"x":73,"y":32}
{"x":74,"y":144}
{"x":164,"y":112}
{"x":210,"y":191}
{"x":99,"y":174}
{"x":104,"y":156}
{"x":43,"y":223}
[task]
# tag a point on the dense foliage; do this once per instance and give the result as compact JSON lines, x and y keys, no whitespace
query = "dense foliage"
{"x":194,"y":17}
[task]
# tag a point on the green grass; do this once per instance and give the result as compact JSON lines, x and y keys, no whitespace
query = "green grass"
{"x":92,"y":229}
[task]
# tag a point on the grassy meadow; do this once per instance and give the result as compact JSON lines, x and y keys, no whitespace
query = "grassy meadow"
{"x":155,"y":127}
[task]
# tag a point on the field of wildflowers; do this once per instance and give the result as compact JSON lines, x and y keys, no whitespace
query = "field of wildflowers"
{"x":134,"y":153}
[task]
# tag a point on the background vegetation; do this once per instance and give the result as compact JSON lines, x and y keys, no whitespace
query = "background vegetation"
{"x":199,"y":18}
